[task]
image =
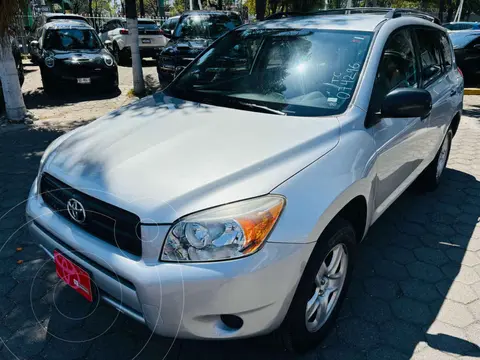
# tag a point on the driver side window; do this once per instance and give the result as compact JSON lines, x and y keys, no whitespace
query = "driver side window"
{"x":397,"y":68}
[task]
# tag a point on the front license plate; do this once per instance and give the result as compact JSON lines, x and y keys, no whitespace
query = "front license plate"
{"x":73,"y":275}
{"x":146,"y":41}
{"x":83,"y":81}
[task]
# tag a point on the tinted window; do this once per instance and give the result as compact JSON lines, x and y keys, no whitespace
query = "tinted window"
{"x":300,"y":72}
{"x":397,"y":68}
{"x":446,"y":51}
{"x":71,"y":39}
{"x":173,"y":23}
{"x":430,"y":57}
{"x":66,"y":17}
{"x":147,"y":24}
{"x":203,"y":26}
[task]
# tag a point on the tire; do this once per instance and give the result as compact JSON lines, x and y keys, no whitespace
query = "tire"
{"x":431,"y":176}
{"x":297,"y":333}
{"x":49,"y":85}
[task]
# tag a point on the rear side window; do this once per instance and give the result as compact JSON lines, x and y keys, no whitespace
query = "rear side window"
{"x":446,"y":51}
{"x":430,"y":54}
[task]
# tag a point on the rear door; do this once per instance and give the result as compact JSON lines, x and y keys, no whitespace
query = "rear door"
{"x":398,"y":141}
{"x":437,"y":80}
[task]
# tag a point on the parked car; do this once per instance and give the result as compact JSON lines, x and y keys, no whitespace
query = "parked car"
{"x":151,"y":40}
{"x":231,"y":204}
{"x":462,"y":25}
{"x":72,"y":53}
{"x":467,"y":53}
{"x":35,"y":31}
{"x":168,"y":27}
{"x":195,"y":31}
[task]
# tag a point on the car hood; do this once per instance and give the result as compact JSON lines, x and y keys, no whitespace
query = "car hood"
{"x":80,"y":56}
{"x":162,"y":158}
{"x":186,"y":47}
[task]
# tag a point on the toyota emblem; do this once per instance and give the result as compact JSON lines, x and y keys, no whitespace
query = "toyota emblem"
{"x":76,"y":211}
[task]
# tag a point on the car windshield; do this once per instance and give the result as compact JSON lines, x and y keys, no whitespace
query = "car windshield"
{"x":461,"y":39}
{"x":71,"y":39}
{"x":204,"y":26}
{"x":290,"y":72}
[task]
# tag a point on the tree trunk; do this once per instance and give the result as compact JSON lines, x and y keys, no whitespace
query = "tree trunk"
{"x":132,"y":25}
{"x":261,"y":6}
{"x":12,"y":92}
{"x":441,"y":10}
{"x":449,"y":10}
{"x":142,"y":9}
{"x":220,"y":5}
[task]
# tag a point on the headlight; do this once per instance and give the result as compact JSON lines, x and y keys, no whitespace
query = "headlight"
{"x":227,"y":232}
{"x":108,"y":60}
{"x":50,"y":61}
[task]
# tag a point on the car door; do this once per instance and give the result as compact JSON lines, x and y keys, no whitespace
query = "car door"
{"x":437,"y":80}
{"x":398,"y":140}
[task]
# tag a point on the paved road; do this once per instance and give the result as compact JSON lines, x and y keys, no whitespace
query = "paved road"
{"x":415,"y":293}
{"x":77,"y":105}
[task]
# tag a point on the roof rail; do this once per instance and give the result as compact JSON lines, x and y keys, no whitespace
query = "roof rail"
{"x":390,"y":13}
{"x":285,"y":14}
{"x":411,"y":12}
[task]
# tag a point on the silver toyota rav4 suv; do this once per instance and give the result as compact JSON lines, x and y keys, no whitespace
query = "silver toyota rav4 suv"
{"x":231,"y":203}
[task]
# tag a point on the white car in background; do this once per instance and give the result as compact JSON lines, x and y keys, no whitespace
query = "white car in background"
{"x":151,"y":40}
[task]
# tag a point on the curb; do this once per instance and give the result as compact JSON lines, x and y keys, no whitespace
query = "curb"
{"x":471,"y":91}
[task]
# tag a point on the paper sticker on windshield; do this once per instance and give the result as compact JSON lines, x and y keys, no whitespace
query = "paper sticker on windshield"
{"x":357,"y":39}
{"x":332,"y":101}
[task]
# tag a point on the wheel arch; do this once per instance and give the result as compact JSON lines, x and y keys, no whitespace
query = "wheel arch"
{"x":455,"y":123}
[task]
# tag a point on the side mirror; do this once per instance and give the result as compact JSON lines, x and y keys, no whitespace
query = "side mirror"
{"x":34,"y":44}
{"x":407,"y":102}
{"x":476,"y":46}
{"x":108,"y":43}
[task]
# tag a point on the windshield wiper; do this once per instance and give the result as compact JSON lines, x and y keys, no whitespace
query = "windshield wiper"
{"x":261,"y":107}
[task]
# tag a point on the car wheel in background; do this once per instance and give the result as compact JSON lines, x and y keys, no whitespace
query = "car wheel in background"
{"x":431,"y":176}
{"x":116,"y":53}
{"x":49,"y":85}
{"x":321,"y":289}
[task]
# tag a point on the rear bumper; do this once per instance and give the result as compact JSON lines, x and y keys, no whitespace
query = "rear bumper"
{"x":179,"y":300}
{"x":146,"y":51}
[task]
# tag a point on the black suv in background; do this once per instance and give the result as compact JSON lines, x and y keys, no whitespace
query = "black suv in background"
{"x":71,"y":53}
{"x":195,"y":31}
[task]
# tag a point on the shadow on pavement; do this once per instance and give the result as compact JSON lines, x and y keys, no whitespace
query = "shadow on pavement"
{"x":472,"y":111}
{"x":38,"y":99}
{"x":403,"y":282}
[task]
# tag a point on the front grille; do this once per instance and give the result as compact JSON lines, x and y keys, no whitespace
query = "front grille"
{"x":104,"y":221}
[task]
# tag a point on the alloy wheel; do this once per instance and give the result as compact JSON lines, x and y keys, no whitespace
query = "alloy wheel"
{"x":327,"y":288}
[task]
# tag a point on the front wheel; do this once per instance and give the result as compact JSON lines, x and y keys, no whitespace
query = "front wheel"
{"x":430,"y":178}
{"x":49,"y":85}
{"x":321,"y":289}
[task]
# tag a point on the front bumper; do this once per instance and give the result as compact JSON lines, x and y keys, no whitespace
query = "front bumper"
{"x":179,"y":300}
{"x":98,"y":76}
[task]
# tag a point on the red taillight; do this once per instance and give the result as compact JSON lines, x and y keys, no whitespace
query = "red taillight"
{"x":460,"y":71}
{"x":160,"y":32}
{"x":123,"y":32}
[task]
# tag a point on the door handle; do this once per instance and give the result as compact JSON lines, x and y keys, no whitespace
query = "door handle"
{"x":453,"y":92}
